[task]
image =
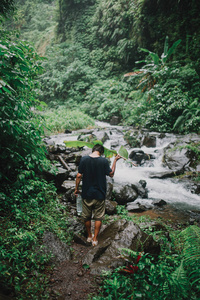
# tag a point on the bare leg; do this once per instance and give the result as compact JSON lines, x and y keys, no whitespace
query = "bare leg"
{"x":88,"y":228}
{"x":96,"y":229}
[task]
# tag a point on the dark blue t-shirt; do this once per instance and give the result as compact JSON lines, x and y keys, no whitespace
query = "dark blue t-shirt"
{"x":94,"y":171}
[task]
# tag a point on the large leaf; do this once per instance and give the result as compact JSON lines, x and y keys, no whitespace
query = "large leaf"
{"x":107,"y":152}
{"x":123,"y":152}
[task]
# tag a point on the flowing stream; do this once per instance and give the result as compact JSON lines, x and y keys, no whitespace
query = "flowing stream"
{"x":170,"y":190}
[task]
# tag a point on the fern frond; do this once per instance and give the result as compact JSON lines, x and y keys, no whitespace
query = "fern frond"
{"x":177,"y":284}
{"x":191,"y":236}
{"x":129,"y":252}
{"x":179,"y":277}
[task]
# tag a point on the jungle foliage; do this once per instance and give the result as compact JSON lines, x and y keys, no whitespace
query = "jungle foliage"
{"x":28,"y":204}
{"x":92,"y":45}
{"x":89,"y":45}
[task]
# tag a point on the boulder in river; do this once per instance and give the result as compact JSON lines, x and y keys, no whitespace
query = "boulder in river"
{"x":124,"y":193}
{"x":149,"y":141}
{"x":114,"y":120}
{"x":177,"y":156}
{"x":139,"y":156}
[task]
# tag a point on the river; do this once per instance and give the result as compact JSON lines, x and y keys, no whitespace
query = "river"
{"x":170,"y":190}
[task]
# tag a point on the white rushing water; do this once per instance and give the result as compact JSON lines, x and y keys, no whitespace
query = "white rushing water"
{"x":172,"y":192}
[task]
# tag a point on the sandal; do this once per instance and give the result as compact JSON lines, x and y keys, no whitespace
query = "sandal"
{"x":94,"y":243}
{"x":89,"y":239}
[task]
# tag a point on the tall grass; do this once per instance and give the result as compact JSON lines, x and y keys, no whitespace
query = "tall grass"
{"x":60,"y":119}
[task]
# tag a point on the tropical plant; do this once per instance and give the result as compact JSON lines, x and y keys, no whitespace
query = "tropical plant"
{"x":20,"y":127}
{"x":191,"y":255}
{"x":190,"y":118}
{"x":149,"y":73}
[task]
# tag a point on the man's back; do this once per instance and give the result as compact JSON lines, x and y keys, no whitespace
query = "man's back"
{"x":94,"y":170}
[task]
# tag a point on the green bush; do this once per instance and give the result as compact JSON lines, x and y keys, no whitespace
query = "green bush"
{"x":20,"y":128}
{"x":106,"y":98}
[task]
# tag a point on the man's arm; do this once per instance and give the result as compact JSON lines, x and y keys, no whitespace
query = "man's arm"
{"x":114,"y":165}
{"x":78,"y":180}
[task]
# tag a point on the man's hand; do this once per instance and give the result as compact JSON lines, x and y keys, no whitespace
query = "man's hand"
{"x":78,"y":179}
{"x":117,"y":157}
{"x":76,"y":192}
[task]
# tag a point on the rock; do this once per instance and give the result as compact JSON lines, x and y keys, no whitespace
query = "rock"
{"x":79,"y":239}
{"x":58,"y":177}
{"x":149,"y":141}
{"x":166,"y":174}
{"x":159,"y":203}
{"x":114,"y":144}
{"x":56,"y":149}
{"x":139,"y":156}
{"x":109,"y":190}
{"x":176,"y":158}
{"x":134,"y":207}
{"x":119,"y":234}
{"x":132,"y":138}
{"x":124,"y":193}
{"x":76,"y":226}
{"x":111,"y":207}
{"x":101,"y":135}
{"x":114,"y":120}
{"x":142,"y":191}
{"x":140,"y":205}
{"x":59,"y":250}
{"x":68,"y":131}
{"x":143,"y":183}
{"x":69,"y":186}
{"x":87,"y":138}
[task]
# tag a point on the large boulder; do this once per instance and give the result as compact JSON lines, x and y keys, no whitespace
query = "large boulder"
{"x":124,"y":193}
{"x":139,"y":156}
{"x":178,"y":157}
{"x":119,"y":234}
{"x":111,"y":207}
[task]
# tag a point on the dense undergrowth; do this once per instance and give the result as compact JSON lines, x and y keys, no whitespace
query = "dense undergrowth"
{"x":173,"y":274}
{"x":28,"y":210}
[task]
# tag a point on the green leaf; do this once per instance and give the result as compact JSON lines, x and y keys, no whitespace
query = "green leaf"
{"x":107,"y":152}
{"x":85,"y":266}
{"x":123,"y":152}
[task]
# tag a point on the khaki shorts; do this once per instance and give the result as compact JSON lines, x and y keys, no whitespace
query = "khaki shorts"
{"x":93,"y":207}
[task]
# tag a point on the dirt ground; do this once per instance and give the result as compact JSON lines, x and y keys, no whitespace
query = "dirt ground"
{"x":71,"y":281}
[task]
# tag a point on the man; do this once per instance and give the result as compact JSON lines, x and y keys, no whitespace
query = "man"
{"x":93,"y":170}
